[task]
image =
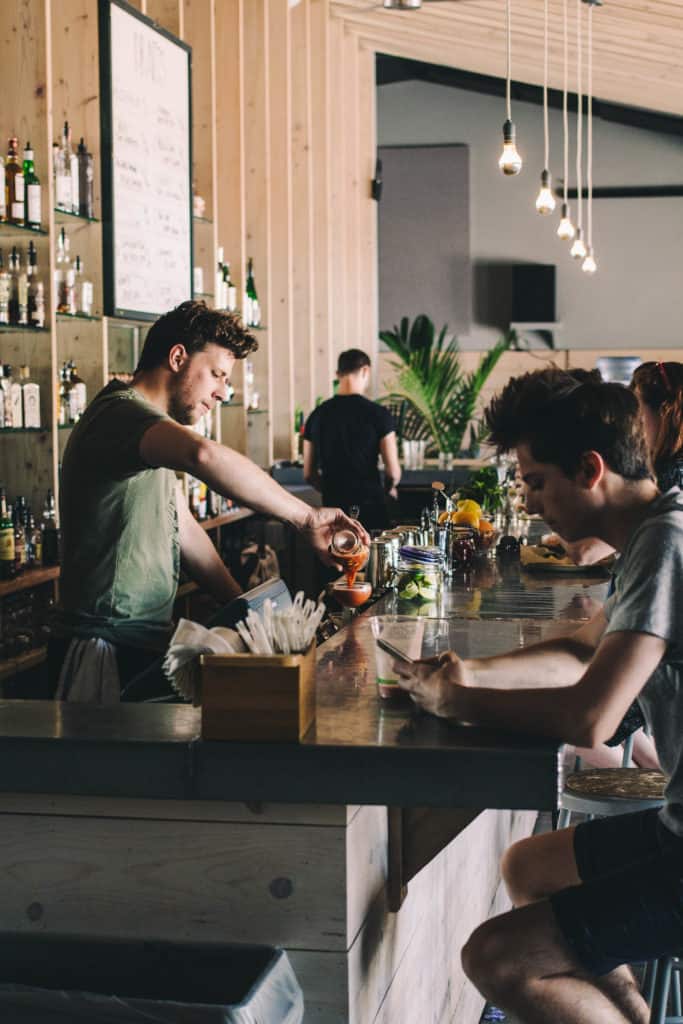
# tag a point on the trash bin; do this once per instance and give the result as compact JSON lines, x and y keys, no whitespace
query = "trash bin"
{"x":71,"y":981}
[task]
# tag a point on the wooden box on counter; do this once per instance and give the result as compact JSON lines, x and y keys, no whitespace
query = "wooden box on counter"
{"x":252,"y":697}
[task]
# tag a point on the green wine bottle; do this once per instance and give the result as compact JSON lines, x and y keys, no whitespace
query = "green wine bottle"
{"x":252,"y":310}
{"x":7,"y":565}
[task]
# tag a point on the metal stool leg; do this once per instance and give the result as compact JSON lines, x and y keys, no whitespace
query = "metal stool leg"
{"x":661,"y":993}
{"x":676,"y":989}
{"x":649,"y":980}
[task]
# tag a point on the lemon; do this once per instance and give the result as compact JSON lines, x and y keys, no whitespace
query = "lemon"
{"x":465,"y":517}
{"x":468,"y":505}
{"x":443,"y":518}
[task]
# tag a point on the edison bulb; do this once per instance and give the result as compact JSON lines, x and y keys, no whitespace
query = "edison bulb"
{"x":589,"y":266}
{"x":545,"y":200}
{"x":510,"y":161}
{"x":565,"y":229}
{"x":578,"y":249}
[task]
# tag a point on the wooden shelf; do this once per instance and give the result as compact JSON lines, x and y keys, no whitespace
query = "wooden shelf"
{"x":9,"y":229}
{"x":226,"y":518}
{"x":78,"y":216}
{"x":28,"y":579}
{"x":13,"y":666}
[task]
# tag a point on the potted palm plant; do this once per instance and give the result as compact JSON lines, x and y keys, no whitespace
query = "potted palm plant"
{"x":433,"y":397}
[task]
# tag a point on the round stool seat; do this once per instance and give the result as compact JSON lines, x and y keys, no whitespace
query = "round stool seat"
{"x":613,"y":790}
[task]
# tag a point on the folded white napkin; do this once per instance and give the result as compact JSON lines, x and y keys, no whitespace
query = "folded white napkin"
{"x":181,"y":663}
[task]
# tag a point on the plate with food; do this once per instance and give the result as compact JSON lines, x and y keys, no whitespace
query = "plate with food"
{"x":551,"y":558}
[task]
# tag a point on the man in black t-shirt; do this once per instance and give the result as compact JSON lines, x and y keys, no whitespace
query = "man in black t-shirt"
{"x":342,"y":440}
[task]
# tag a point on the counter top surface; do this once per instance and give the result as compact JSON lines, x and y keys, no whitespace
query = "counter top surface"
{"x":358,"y":751}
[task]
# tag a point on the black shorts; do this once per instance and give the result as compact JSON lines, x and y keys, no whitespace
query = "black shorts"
{"x":629,"y":907}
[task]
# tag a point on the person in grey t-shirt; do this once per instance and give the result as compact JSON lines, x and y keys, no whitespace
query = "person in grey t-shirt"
{"x":590,"y":899}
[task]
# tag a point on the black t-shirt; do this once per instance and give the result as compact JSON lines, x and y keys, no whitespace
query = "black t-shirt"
{"x":346,"y":431}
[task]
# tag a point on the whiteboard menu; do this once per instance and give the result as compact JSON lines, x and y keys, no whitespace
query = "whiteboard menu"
{"x":146,"y":164}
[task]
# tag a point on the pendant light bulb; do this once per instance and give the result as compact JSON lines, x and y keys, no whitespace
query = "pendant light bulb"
{"x":589,"y":266}
{"x":510,"y":161}
{"x":565,"y":229}
{"x":578,"y":249}
{"x":545,"y":200}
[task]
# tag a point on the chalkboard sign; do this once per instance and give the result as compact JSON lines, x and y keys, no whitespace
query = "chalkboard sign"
{"x":146,"y":164}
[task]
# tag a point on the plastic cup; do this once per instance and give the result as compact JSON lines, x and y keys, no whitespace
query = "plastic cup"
{"x":404,"y":632}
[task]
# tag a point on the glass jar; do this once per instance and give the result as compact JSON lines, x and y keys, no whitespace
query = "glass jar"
{"x":418,"y":581}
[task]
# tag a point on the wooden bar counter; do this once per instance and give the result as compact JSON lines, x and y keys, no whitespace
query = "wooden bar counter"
{"x":369,"y":851}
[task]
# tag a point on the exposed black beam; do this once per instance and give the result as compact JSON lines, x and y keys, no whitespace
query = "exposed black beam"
{"x":627,"y":192}
{"x":391,"y":69}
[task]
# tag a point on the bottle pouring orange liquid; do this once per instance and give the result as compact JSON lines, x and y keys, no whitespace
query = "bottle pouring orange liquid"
{"x":348,"y":549}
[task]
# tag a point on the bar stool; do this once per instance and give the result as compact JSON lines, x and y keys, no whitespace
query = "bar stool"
{"x":607,"y":791}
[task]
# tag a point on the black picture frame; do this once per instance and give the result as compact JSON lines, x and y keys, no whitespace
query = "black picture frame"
{"x":111,"y":308}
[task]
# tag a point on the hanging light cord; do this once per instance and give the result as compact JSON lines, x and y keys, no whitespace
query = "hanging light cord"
{"x":589,"y":161}
{"x":579,"y":106}
{"x":509,"y":63}
{"x":565,"y":116}
{"x":546,"y":131}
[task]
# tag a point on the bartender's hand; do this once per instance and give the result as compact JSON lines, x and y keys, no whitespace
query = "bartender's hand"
{"x":322,"y":523}
{"x":435,"y":684}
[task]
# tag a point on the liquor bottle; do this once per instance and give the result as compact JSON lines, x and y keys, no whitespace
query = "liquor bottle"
{"x":2,"y":398}
{"x":3,"y":194}
{"x":63,"y":387}
{"x":220,"y":298}
{"x":5,"y":381}
{"x":65,"y":277}
{"x":62,"y":171}
{"x":6,"y":539}
{"x":229,"y":290}
{"x":50,"y":532}
{"x":16,"y":406}
{"x":252,"y":309}
{"x":32,"y":189}
{"x":4,"y":291}
{"x":14,"y":184}
{"x":20,"y":558}
{"x":34,"y":540}
{"x":83,"y":291}
{"x":75,"y":174}
{"x":36,"y":290}
{"x":30,"y":397}
{"x":18,"y":290}
{"x":77,"y":394}
{"x":22,"y":291}
{"x":85,"y":181}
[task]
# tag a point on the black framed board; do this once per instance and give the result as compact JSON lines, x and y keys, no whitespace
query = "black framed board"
{"x":146,"y":124}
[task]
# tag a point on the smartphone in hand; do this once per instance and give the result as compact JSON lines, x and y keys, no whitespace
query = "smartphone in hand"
{"x":394,"y":651}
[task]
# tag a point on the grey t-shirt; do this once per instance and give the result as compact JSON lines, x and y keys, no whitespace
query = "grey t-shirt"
{"x":119,"y":520}
{"x":648,"y":598}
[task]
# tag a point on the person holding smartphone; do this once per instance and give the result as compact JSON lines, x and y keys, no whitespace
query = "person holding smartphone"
{"x":595,"y":897}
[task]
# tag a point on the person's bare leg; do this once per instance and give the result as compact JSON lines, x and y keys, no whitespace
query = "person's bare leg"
{"x":521,"y":962}
{"x":535,"y":868}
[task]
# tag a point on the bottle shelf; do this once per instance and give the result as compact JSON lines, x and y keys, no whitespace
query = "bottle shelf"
{"x":23,"y":430}
{"x":13,"y":666}
{"x":203,"y":295}
{"x":77,"y":216}
{"x":225,"y":518}
{"x":257,"y":412}
{"x":78,"y":316}
{"x":7,"y":228}
{"x":28,"y":579}
{"x":65,"y":426}
{"x":22,"y":329}
{"x":261,"y":327}
{"x":202,"y":220}
{"x":232,"y":405}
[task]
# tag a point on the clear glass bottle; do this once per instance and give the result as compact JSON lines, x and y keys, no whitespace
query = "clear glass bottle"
{"x":62,"y":168}
{"x":84,"y":290}
{"x":36,"y":290}
{"x":85,"y":180}
{"x":50,"y":532}
{"x":30,"y":399}
{"x":3,"y":192}
{"x":252,"y":310}
{"x":77,"y":394}
{"x":32,"y":189}
{"x":229,"y":290}
{"x":5,"y":290}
